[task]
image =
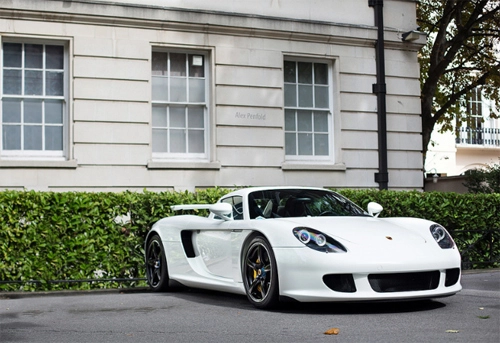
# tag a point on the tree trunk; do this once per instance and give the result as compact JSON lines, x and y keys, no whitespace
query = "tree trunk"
{"x":428,"y":120}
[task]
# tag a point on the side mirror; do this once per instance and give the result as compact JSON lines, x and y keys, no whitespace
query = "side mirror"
{"x":374,"y":209}
{"x":223,"y":210}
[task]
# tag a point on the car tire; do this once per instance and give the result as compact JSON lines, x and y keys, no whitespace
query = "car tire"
{"x":156,"y":265}
{"x":260,"y":274}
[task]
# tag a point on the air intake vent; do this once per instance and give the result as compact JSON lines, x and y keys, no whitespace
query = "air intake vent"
{"x":452,"y":276}
{"x":340,"y":282}
{"x":404,"y":282}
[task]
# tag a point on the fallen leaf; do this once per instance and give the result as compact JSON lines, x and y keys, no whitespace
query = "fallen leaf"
{"x":332,"y":331}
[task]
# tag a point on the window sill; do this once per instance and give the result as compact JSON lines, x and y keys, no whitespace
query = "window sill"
{"x":71,"y":164}
{"x":184,"y":165}
{"x":312,"y":166}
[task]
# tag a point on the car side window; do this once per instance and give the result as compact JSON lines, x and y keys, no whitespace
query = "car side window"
{"x":237,"y":203}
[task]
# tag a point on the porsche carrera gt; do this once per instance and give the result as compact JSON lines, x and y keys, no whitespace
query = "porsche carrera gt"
{"x":304,"y":244}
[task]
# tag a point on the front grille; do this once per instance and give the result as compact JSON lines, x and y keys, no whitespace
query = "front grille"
{"x":340,"y":282}
{"x":404,"y":282}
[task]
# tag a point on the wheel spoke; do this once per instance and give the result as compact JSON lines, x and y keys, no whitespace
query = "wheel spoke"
{"x":158,"y":275}
{"x":252,"y":265}
{"x":263,"y":289}
{"x":156,"y":250}
{"x":254,"y":284}
{"x":259,"y":254}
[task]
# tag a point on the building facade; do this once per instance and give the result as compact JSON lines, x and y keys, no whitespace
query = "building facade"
{"x":473,"y":144}
{"x":169,"y":94}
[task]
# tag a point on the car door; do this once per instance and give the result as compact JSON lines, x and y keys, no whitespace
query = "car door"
{"x":214,"y":244}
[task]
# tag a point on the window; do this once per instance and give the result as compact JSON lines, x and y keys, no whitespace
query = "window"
{"x":179,"y":100}
{"x":33,"y":111}
{"x":472,"y":131}
{"x":475,"y":110}
{"x":307,"y":110}
{"x":283,"y":203}
{"x":237,"y":203}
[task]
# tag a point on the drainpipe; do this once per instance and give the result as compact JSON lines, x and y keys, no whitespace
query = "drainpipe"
{"x":379,"y":88}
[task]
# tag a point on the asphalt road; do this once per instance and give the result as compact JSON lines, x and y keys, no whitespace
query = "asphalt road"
{"x":192,"y":316}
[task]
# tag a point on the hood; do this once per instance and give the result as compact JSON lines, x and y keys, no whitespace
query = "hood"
{"x":360,"y":230}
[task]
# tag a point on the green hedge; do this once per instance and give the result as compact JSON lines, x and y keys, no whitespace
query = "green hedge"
{"x":52,"y":237}
{"x":452,"y":210}
{"x":49,"y":236}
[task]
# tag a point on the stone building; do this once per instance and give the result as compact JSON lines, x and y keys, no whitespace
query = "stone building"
{"x":167,"y":94}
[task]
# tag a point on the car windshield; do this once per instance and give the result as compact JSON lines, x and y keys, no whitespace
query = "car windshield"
{"x":284,"y":203}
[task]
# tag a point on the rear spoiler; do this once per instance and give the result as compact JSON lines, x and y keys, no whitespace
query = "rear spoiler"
{"x":191,"y":207}
{"x":221,"y":209}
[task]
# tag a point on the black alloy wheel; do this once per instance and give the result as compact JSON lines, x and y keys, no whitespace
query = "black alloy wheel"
{"x":156,"y":265}
{"x":260,"y":274}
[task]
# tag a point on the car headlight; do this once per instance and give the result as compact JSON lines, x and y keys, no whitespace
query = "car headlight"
{"x":317,"y":240}
{"x":442,"y":236}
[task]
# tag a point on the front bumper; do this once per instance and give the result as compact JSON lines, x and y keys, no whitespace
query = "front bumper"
{"x":311,"y":276}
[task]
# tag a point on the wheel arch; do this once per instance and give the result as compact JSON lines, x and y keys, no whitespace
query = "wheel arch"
{"x":149,"y":235}
{"x":247,"y":241}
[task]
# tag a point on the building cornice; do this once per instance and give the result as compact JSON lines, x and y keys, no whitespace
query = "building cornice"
{"x":199,"y":21}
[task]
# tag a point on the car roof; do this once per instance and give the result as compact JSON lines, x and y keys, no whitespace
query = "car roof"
{"x":245,"y":191}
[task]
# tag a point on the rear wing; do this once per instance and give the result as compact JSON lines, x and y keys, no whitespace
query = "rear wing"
{"x":191,"y":207}
{"x":221,"y":209}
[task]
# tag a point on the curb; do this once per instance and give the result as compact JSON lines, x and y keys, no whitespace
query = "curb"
{"x":19,"y":295}
{"x":480,"y":271}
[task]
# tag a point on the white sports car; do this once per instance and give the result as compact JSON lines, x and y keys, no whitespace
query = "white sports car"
{"x":303,"y":244}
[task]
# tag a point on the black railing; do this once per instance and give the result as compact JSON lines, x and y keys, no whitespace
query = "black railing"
{"x":91,"y":281}
{"x":478,"y":136}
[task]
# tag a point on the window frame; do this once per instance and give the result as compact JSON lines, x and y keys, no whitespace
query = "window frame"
{"x":320,"y":159}
{"x":476,"y":119}
{"x":473,"y":130}
{"x":38,"y":155}
{"x":167,"y":104}
{"x":235,"y":201}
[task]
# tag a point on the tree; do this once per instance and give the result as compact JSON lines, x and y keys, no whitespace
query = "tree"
{"x":485,"y":180}
{"x":462,"y":53}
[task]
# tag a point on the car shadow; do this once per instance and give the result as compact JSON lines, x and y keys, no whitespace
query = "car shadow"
{"x":360,"y":307}
{"x":212,"y":298}
{"x":221,"y":299}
